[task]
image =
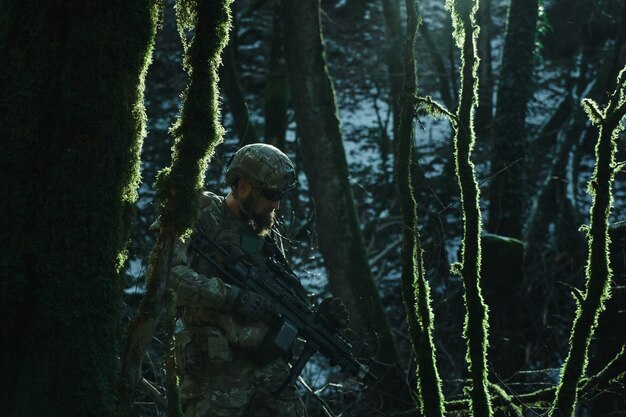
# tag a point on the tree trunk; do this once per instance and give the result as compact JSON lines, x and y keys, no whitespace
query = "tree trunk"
{"x":484,"y":111}
{"x":510,"y":324}
{"x":599,"y":273}
{"x":276,"y":90}
{"x":609,"y":336}
{"x":508,"y":194}
{"x":197,"y":132}
{"x":415,"y":286}
{"x":229,"y":77}
{"x":73,"y":122}
{"x":393,"y":60}
{"x":440,"y":67}
{"x":341,"y":242}
{"x":476,"y":318}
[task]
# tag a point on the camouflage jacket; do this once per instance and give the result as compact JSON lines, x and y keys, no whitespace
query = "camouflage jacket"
{"x":210,"y":330}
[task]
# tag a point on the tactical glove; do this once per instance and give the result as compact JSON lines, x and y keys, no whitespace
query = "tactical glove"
{"x":250,"y":306}
{"x":335,"y":311}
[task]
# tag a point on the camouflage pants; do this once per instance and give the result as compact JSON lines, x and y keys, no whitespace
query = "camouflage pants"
{"x":242,"y":390}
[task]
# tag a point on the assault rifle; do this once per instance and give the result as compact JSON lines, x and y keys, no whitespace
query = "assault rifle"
{"x":294,"y":316}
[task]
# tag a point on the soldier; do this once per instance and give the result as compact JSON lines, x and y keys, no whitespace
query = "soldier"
{"x":223,"y":325}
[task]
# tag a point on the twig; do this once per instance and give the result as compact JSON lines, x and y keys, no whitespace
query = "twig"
{"x":153,"y":392}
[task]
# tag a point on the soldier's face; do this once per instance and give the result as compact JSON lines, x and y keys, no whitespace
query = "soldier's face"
{"x":262,"y":211}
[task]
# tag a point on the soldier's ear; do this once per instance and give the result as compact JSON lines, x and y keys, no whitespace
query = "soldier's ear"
{"x":233,"y":188}
{"x":243,"y":188}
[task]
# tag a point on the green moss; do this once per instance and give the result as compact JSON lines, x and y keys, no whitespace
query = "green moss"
{"x":598,"y":270}
{"x":197,"y":130}
{"x":415,"y":288}
{"x":476,"y":319}
{"x":75,"y":124}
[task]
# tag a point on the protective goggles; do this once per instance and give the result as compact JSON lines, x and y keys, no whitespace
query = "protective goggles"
{"x":272,"y":195}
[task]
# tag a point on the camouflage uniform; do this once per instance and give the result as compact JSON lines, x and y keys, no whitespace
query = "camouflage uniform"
{"x":215,"y":349}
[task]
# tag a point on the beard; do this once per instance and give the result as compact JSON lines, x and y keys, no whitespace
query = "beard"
{"x":262,"y":222}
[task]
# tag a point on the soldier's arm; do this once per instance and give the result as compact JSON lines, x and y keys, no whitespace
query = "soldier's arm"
{"x":196,"y":289}
{"x":193,"y":288}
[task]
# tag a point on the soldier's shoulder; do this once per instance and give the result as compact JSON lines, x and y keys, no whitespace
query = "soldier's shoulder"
{"x":210,"y":200}
{"x":211,"y":210}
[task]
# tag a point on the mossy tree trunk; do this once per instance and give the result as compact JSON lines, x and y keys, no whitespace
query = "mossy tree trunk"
{"x":73,"y":122}
{"x":415,"y":287}
{"x":609,"y":336}
{"x":340,"y":239}
{"x":508,"y":193}
{"x":598,"y":269}
{"x":393,"y":60}
{"x":197,"y":132}
{"x":476,"y":319}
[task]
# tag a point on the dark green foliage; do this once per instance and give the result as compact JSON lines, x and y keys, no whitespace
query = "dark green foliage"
{"x":72,"y":125}
{"x":598,"y":270}
{"x":508,"y":194}
{"x":415,"y":287}
{"x":197,"y":130}
{"x":476,"y":321}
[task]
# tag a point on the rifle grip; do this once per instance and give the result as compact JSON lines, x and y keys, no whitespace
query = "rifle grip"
{"x":298,"y":366}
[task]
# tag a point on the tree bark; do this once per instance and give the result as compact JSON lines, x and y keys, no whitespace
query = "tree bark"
{"x":73,"y":123}
{"x":508,"y":194}
{"x":276,"y":90}
{"x":440,"y":67}
{"x":341,"y":242}
{"x":246,"y":130}
{"x":484,"y":110}
{"x":393,"y":60}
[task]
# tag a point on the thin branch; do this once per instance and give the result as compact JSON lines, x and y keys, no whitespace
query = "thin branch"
{"x":435,"y":109}
{"x":153,"y":392}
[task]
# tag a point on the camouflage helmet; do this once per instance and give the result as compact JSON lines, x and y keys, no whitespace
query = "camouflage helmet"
{"x":263,"y":166}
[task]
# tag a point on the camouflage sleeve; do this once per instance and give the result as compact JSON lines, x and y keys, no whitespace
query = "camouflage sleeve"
{"x":197,"y":289}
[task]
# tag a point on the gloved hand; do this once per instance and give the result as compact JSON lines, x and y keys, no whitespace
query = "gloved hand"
{"x":250,"y":306}
{"x":335,"y":311}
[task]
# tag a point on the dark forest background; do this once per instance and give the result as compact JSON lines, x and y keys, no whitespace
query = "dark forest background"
{"x":338,"y":114}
